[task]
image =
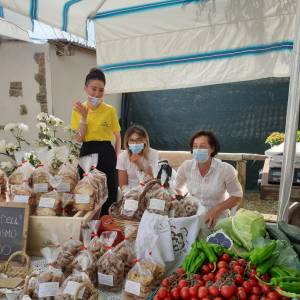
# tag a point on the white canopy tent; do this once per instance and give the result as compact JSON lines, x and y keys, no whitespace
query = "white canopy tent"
{"x":163,"y":44}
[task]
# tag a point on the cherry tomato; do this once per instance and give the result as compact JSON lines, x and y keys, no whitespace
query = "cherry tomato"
{"x":156,"y":297}
{"x":256,"y":290}
{"x":194,"y":291}
{"x":266,"y":289}
{"x":205,"y":269}
{"x":218,"y":298}
{"x":226,"y":257}
{"x":202,"y":292}
{"x":182,"y":283}
{"x":273,"y":296}
{"x":165,"y":282}
{"x":200,"y":283}
{"x":180,"y":271}
{"x":241,"y":293}
{"x":211,"y":266}
{"x":222,"y":264}
{"x":197,"y":276}
{"x":247,"y":286}
{"x":238,"y":269}
{"x":253,"y":297}
{"x":175,"y":292}
{"x":169,"y":297}
{"x":252,"y":273}
{"x":214,"y":291}
{"x":265,"y":277}
{"x":253,"y":281}
{"x":242,"y":262}
{"x":205,"y":278}
{"x":228,"y":291}
{"x":211,"y":276}
{"x":185,"y":293}
{"x":239,"y":279}
{"x":162,"y":293}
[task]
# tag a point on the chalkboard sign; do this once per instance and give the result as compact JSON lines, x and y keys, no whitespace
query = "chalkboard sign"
{"x":13,"y":228}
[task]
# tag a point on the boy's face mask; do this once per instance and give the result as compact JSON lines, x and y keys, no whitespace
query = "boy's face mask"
{"x":95,"y":101}
{"x":136,"y":148}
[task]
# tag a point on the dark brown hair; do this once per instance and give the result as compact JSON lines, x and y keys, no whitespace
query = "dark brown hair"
{"x":212,"y":140}
{"x":95,"y":74}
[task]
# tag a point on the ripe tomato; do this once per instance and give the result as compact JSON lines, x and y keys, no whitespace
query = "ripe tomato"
{"x":194,"y":291}
{"x":256,"y":290}
{"x":211,"y":276}
{"x":226,"y":257}
{"x":265,"y":277}
{"x":214,"y":291}
{"x":202,"y":292}
{"x":182,"y":283}
{"x":222,"y":264}
{"x":205,"y":269}
{"x":228,"y":291}
{"x":165,"y":282}
{"x":239,"y":279}
{"x":252,"y":273}
{"x":247,"y":286}
{"x":205,"y":278}
{"x":253,"y":281}
{"x":242,"y":262}
{"x":197,"y":276}
{"x":199,"y":283}
{"x":185,"y":293}
{"x":180,"y":271}
{"x":162,"y":293}
{"x":241,"y":293}
{"x":156,"y":297}
{"x":273,"y":295}
{"x":253,"y":297}
{"x":266,"y":289}
{"x":211,"y":266}
{"x":175,"y":292}
{"x":238,"y":269}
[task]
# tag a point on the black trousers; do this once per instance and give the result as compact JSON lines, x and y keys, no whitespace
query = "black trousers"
{"x":107,"y":161}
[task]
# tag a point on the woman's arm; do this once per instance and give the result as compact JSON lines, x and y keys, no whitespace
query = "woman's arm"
{"x":180,"y":180}
{"x":123,"y":178}
{"x":213,"y":214}
{"x":83,"y":111}
{"x":117,"y":142}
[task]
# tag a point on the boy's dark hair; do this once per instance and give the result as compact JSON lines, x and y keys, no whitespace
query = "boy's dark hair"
{"x":95,"y":74}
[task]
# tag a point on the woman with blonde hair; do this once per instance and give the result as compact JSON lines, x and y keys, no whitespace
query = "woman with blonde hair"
{"x":138,"y":157}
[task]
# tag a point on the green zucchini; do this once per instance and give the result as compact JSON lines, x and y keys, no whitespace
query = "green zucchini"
{"x":275,"y":233}
{"x":292,"y":231}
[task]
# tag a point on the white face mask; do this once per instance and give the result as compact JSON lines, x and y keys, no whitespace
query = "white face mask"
{"x":95,"y":101}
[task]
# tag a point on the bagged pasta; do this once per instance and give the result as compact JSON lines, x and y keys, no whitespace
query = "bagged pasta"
{"x":49,"y":204}
{"x":49,"y":280}
{"x":126,"y":248}
{"x":85,"y":257}
{"x":69,"y":249}
{"x":86,"y":190}
{"x":22,"y":193}
{"x":3,"y":186}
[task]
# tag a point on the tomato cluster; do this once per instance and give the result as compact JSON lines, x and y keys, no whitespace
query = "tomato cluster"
{"x":230,"y":279}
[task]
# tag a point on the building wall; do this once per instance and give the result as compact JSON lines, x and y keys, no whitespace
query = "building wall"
{"x":23,"y":63}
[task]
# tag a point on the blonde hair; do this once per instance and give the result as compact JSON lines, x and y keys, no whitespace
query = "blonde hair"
{"x":140,"y":131}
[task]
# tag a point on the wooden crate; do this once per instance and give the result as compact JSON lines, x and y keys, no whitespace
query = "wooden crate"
{"x":42,"y":229}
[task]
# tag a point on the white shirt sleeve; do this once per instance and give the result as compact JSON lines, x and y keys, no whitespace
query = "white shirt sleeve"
{"x":121,"y":162}
{"x":181,"y":177}
{"x":232,"y":183}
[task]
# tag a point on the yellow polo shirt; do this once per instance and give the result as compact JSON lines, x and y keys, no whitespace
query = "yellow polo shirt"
{"x":102,"y":122}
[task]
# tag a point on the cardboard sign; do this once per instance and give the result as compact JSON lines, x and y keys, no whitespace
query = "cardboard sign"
{"x":13,"y":228}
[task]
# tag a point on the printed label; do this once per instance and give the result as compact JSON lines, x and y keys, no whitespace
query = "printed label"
{"x":63,"y":187}
{"x":131,"y":205}
{"x":105,"y":279}
{"x":21,"y":198}
{"x":48,"y":289}
{"x":72,"y":287}
{"x":40,"y":187}
{"x":46,"y":202}
{"x":157,"y":204}
{"x":133,"y":287}
{"x":82,"y":198}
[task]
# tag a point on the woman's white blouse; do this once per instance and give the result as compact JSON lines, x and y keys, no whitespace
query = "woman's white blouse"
{"x":214,"y":187}
{"x":125,"y":164}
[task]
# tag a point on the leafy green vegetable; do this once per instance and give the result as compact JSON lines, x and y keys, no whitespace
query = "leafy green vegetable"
{"x":287,"y":256}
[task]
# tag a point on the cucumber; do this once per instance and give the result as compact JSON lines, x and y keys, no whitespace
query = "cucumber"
{"x":275,"y":233}
{"x":292,"y":231}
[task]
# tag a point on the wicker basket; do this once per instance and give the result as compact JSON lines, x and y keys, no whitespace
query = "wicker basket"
{"x":17,"y":270}
{"x":94,"y":293}
{"x":122,"y":223}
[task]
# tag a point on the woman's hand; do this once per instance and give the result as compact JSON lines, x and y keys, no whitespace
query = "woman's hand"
{"x":81,"y":109}
{"x":212,"y":216}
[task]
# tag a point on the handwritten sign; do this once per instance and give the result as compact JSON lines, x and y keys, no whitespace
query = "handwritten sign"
{"x":13,"y":228}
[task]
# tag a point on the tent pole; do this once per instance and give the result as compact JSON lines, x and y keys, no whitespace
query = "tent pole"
{"x":291,"y":126}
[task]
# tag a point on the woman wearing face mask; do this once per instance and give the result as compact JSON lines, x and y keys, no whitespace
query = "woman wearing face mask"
{"x":97,"y":125}
{"x":137,"y":158}
{"x":213,"y":182}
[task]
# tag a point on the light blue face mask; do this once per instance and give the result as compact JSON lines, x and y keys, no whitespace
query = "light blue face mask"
{"x":95,"y":101}
{"x":200,"y":155}
{"x":136,"y":148}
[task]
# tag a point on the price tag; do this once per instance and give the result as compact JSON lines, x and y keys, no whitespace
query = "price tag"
{"x":40,"y":187}
{"x":82,"y":198}
{"x":72,"y":287}
{"x":105,"y":279}
{"x":46,"y":202}
{"x":21,"y":198}
{"x":131,"y":205}
{"x":48,"y":289}
{"x":133,"y":287}
{"x":63,"y":187}
{"x":157,"y":204}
